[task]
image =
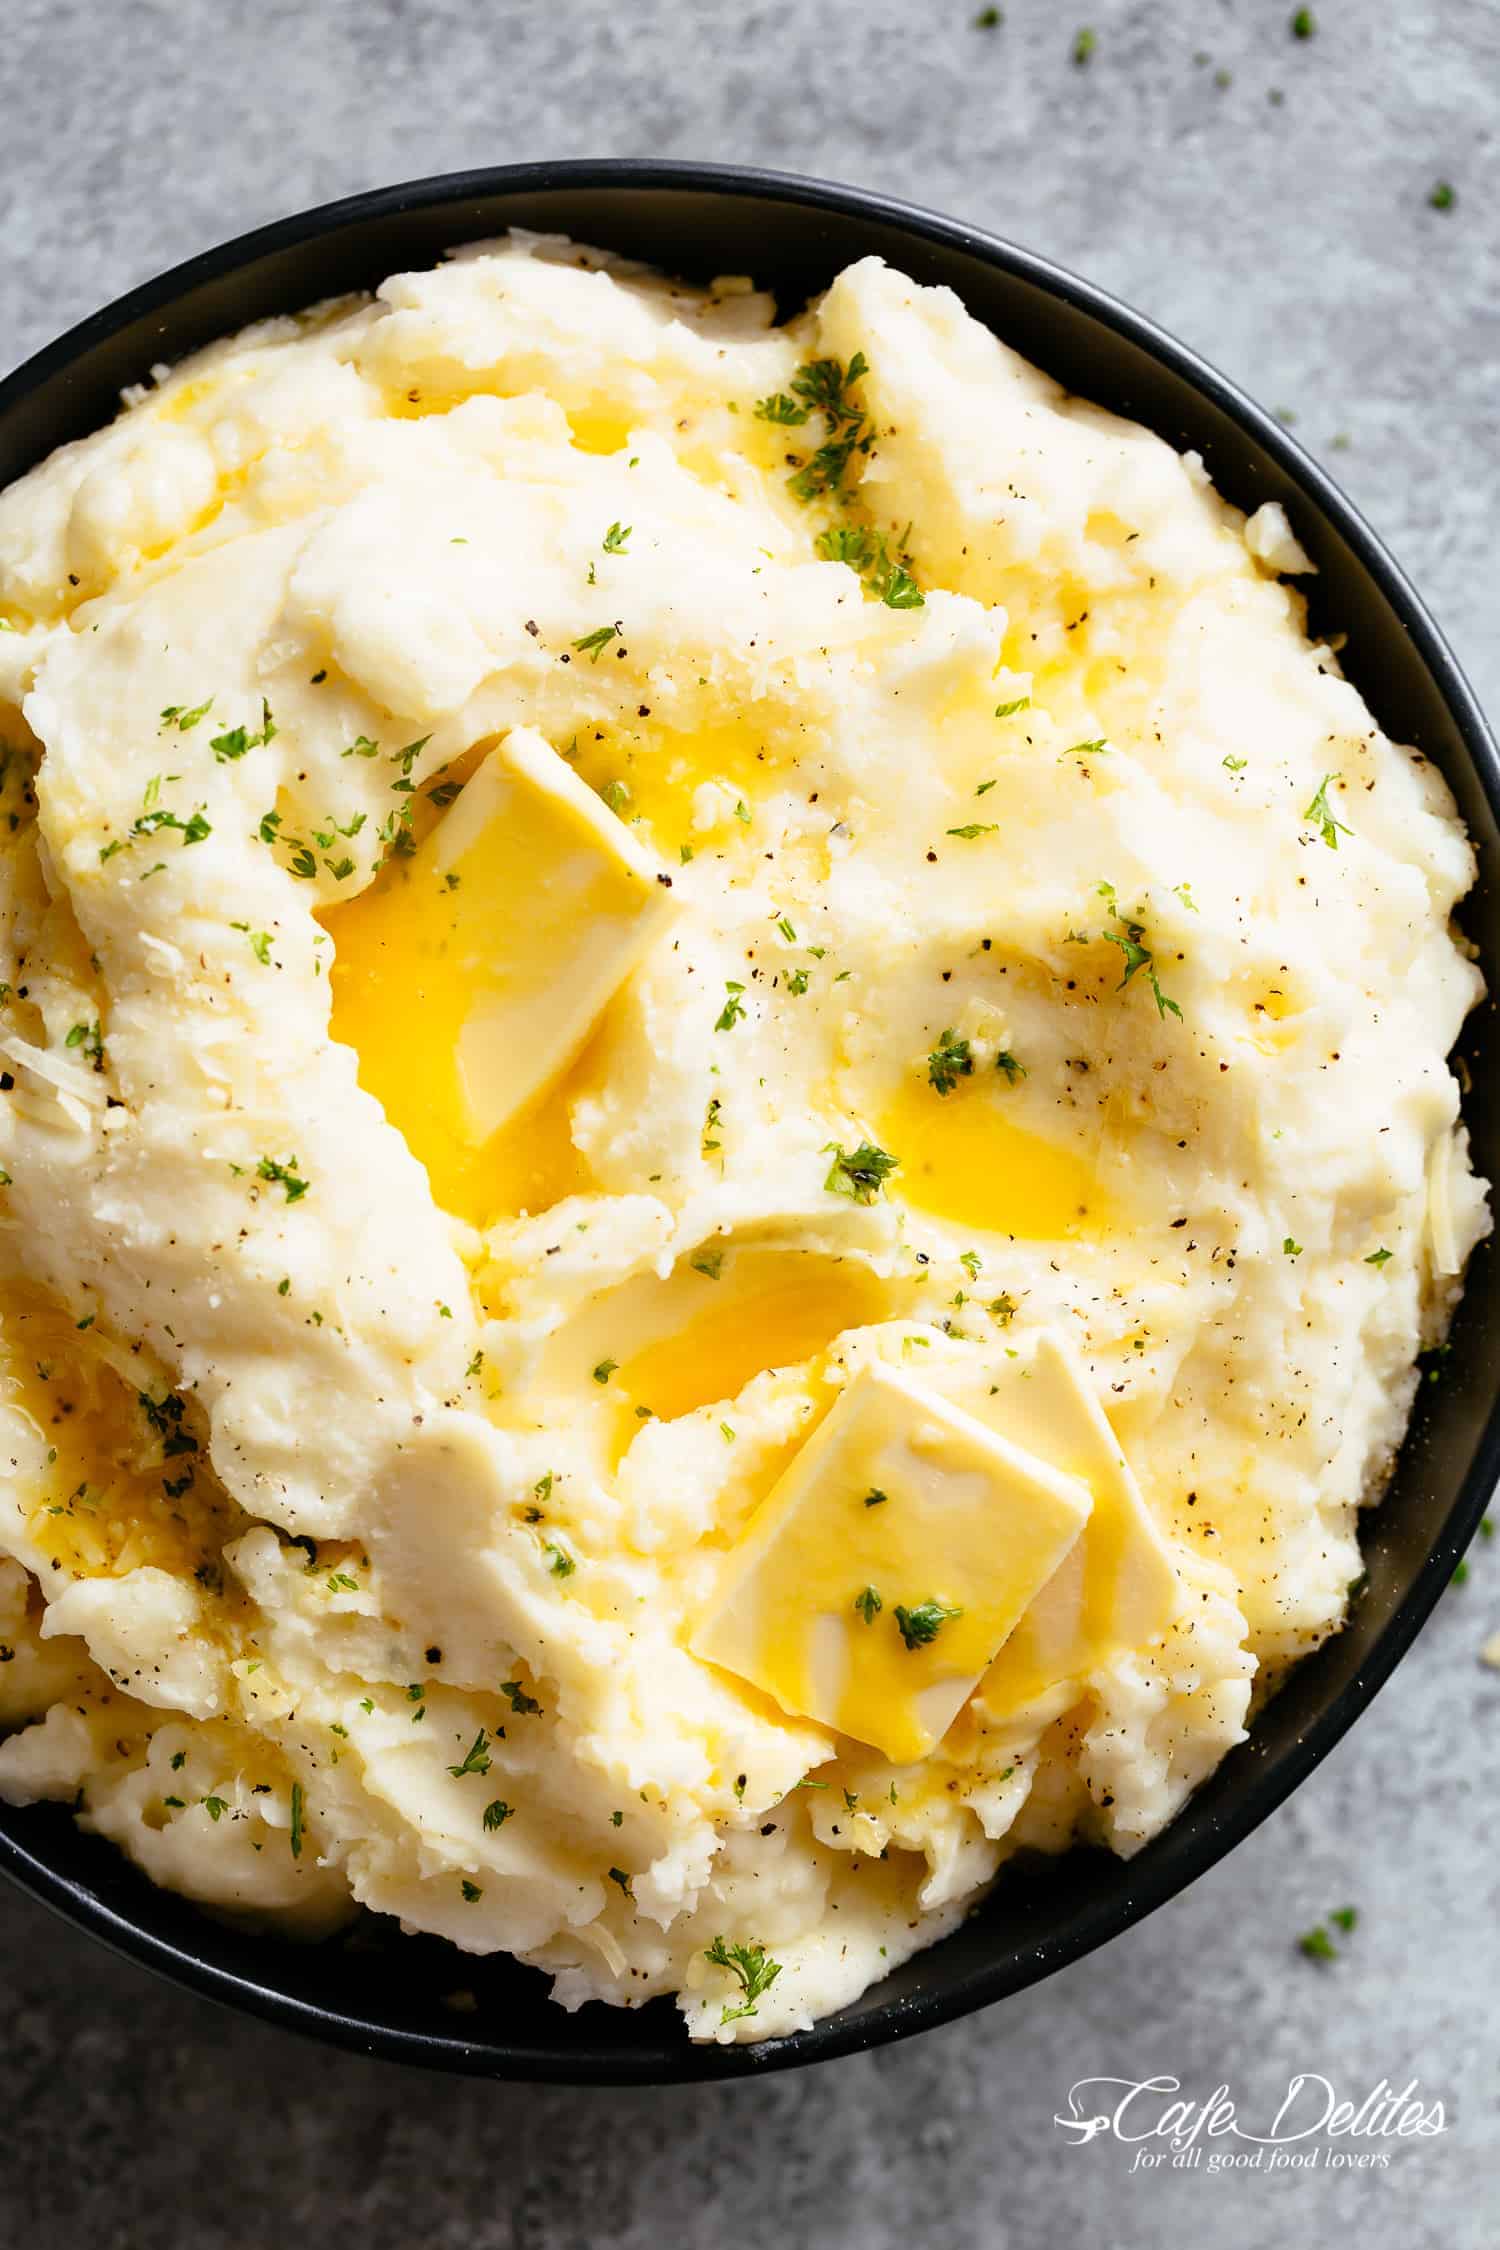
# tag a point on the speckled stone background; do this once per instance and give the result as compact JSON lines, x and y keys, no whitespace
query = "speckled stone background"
{"x":1267,"y":198}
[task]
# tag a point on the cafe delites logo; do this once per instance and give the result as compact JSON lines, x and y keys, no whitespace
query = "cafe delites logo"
{"x":1312,"y":2126}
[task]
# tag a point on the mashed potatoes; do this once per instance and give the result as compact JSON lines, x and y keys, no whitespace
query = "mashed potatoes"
{"x":725,"y":1129}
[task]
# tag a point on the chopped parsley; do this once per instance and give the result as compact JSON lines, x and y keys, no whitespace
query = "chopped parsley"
{"x":472,"y":1892}
{"x":1085,"y":749}
{"x":1443,"y":195}
{"x":406,"y":757}
{"x":733,"y":1008}
{"x":1317,"y":1945}
{"x":164,"y":1419}
{"x":284,"y":1176}
{"x":476,"y":1758}
{"x":866,"y":553}
{"x":559,"y":1561}
{"x":875,"y":1498}
{"x":1009,"y":710}
{"x":858,"y":1173}
{"x":260,"y":942}
{"x":824,"y":386}
{"x":1014,"y":1071}
{"x":753,"y":1969}
{"x":236,"y":741}
{"x":868,"y":1605}
{"x":899,"y":590}
{"x":778,"y":408}
{"x":951,"y":1059}
{"x":1290,"y":1248}
{"x":295,"y":1836}
{"x":184,"y":720}
{"x":496,"y":1813}
{"x":1137,"y":953}
{"x":524,"y":1705}
{"x":593,"y":644}
{"x":617,"y":538}
{"x":154,"y":816}
{"x":1084,"y":43}
{"x":974,"y":828}
{"x":618,"y":1875}
{"x":920,"y":1626}
{"x":1304,"y":23}
{"x":1379,"y":1257}
{"x":710,"y":1263}
{"x":215,"y":1807}
{"x":324,"y":837}
{"x":602,"y":1374}
{"x":1321,"y":816}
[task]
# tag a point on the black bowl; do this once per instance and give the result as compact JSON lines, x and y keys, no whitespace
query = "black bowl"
{"x":393,"y":1996}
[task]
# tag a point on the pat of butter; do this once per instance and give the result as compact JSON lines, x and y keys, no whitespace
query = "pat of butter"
{"x":1117,"y":1588}
{"x":883,"y":1571}
{"x":555,"y":903}
{"x":468,"y":976}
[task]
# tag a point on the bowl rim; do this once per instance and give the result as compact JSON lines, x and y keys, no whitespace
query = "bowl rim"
{"x":1137,"y":1892}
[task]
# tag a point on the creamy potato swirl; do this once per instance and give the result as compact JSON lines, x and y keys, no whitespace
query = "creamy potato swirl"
{"x":596,"y":889}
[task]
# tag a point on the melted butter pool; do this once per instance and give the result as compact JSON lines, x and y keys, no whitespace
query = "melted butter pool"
{"x":963,"y":1158}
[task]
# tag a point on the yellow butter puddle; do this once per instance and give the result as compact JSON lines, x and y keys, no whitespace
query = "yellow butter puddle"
{"x":964,"y":1159}
{"x":422,"y":953}
{"x":430,"y":950}
{"x":401,"y":1006}
{"x":667,"y":1347}
{"x":594,"y":429}
{"x":653,"y":775}
{"x":769,"y":1308}
{"x":123,"y":1481}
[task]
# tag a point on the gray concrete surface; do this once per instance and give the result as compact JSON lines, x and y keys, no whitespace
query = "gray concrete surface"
{"x":1281,"y":222}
